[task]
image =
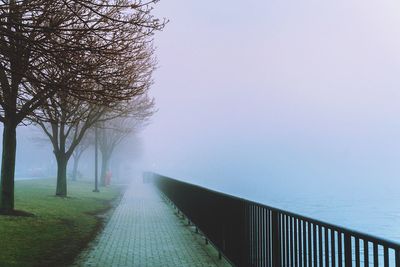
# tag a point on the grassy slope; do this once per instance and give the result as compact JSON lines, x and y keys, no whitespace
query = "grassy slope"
{"x":60,"y":227}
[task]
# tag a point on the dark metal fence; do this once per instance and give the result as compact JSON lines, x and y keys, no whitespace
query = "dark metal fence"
{"x":250,"y":234}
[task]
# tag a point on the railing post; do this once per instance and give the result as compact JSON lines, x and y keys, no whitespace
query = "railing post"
{"x":347,"y":250}
{"x":276,"y":242}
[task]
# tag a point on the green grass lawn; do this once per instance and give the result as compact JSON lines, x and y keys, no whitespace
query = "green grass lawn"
{"x":60,"y":227}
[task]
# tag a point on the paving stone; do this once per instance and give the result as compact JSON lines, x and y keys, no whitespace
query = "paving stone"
{"x":145,"y":231}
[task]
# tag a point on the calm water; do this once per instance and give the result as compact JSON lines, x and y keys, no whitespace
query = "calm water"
{"x":378,"y":215}
{"x":373,"y":209}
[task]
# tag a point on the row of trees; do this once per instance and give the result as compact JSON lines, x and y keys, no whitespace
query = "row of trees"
{"x":67,"y":65}
{"x":111,"y":133}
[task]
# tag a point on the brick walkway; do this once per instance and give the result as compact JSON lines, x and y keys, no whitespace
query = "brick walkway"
{"x":144,"y":231}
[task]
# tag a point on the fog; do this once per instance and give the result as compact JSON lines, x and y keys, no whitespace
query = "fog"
{"x":35,"y":158}
{"x":279,"y":97}
{"x":275,"y":101}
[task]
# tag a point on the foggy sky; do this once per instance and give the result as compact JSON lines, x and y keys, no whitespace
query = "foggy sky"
{"x":282,"y":92}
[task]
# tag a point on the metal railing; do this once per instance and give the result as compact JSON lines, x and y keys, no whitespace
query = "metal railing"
{"x":250,"y":234}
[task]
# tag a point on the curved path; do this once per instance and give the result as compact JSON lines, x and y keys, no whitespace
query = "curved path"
{"x":144,"y":231}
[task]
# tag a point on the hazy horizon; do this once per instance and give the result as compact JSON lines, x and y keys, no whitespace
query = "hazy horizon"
{"x":284,"y":91}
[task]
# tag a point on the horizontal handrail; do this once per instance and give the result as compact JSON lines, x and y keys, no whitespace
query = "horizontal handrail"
{"x":253,"y":234}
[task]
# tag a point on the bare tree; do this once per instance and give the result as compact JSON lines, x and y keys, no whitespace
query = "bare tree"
{"x":41,"y":38}
{"x":65,"y":135}
{"x":66,"y":118}
{"x":113,"y":132}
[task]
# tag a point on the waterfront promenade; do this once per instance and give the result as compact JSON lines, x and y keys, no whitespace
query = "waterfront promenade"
{"x":145,"y":231}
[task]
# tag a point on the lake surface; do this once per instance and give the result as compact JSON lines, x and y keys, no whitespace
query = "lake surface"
{"x":376,"y":215}
{"x":371,"y":209}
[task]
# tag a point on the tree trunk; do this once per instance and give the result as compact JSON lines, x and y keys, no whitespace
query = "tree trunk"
{"x":75,"y":168}
{"x":105,"y":163}
{"x":8,"y":167}
{"x":62,"y":162}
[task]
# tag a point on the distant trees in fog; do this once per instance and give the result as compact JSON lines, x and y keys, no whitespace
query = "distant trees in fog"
{"x":113,"y":132}
{"x":83,"y":145}
{"x":66,"y":64}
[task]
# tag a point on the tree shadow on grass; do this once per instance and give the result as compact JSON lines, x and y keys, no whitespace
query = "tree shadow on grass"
{"x":16,"y":213}
{"x":63,"y":197}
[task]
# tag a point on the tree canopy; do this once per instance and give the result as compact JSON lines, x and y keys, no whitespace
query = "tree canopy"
{"x":56,"y":51}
